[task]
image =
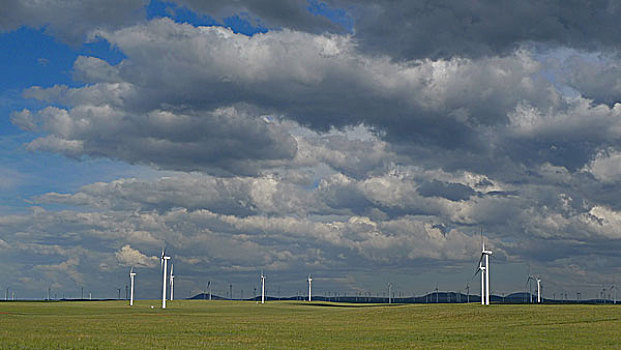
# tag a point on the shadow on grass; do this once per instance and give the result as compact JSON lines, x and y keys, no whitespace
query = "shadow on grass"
{"x":339,"y":305}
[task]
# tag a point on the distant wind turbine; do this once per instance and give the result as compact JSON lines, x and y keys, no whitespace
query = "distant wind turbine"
{"x":538,"y":290}
{"x":530,"y":288}
{"x":132,"y":274}
{"x":172,"y":282}
{"x":164,"y":264}
{"x":310,"y":288}
{"x":262,"y":288}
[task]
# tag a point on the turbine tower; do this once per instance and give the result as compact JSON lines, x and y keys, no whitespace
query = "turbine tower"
{"x":172,"y":282}
{"x":164,"y":264}
{"x":487,"y":253}
{"x":538,"y":290}
{"x":262,"y":288}
{"x":484,"y":270}
{"x":310,"y":288}
{"x":132,"y":274}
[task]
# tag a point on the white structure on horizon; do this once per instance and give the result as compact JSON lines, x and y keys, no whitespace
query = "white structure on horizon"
{"x":132,"y":274}
{"x":172,"y":282}
{"x":310,"y":288}
{"x":538,"y":281}
{"x":538,"y":290}
{"x":262,"y":288}
{"x":484,"y":270}
{"x":164,"y":264}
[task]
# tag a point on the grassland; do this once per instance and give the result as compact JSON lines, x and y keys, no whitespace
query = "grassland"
{"x":299,"y":325}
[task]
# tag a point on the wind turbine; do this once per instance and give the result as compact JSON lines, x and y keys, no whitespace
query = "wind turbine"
{"x":389,"y":291}
{"x":132,"y":274}
{"x":481,"y":270}
{"x":484,"y":270}
{"x":310,"y":288}
{"x":530,"y":288}
{"x":172,"y":282}
{"x":262,"y":288}
{"x":538,"y":290}
{"x":164,"y":264}
{"x":487,"y":253}
{"x":468,"y":292}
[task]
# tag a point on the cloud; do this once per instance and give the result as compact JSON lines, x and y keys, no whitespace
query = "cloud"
{"x":450,"y":191}
{"x":128,"y":256}
{"x":309,"y":149}
{"x":10,"y":178}
{"x":447,"y":28}
{"x":72,"y":20}
{"x":606,"y":166}
{"x":224,"y":140}
{"x":153,"y":104}
{"x":594,"y":76}
{"x":229,"y":195}
{"x":273,"y":13}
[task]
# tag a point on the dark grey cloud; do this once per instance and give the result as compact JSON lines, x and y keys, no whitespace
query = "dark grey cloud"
{"x":595,"y":77}
{"x":72,"y":20}
{"x":224,"y":140}
{"x":451,"y":191}
{"x":240,"y":196}
{"x":447,"y":28}
{"x":291,"y":14}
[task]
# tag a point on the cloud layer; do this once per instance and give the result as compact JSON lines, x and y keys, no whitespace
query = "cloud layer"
{"x":313,"y":148}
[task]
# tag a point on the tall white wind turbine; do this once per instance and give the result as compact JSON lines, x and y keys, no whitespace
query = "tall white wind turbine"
{"x":538,"y":290}
{"x":164,"y":264}
{"x":310,"y":288}
{"x":487,"y":253}
{"x":262,"y":288}
{"x":172,"y":282}
{"x":132,"y":274}
{"x":484,"y":270}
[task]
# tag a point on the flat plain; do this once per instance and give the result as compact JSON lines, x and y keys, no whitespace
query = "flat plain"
{"x":197,"y":324}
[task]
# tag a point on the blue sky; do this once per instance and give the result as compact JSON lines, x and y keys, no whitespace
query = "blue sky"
{"x":362,"y":143}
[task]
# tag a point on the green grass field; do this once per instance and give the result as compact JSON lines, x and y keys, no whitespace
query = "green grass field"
{"x":301,"y":325}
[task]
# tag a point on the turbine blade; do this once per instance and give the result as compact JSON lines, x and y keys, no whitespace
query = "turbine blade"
{"x":476,"y":272}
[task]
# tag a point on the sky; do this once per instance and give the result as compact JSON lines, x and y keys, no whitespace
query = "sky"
{"x":362,"y":142}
